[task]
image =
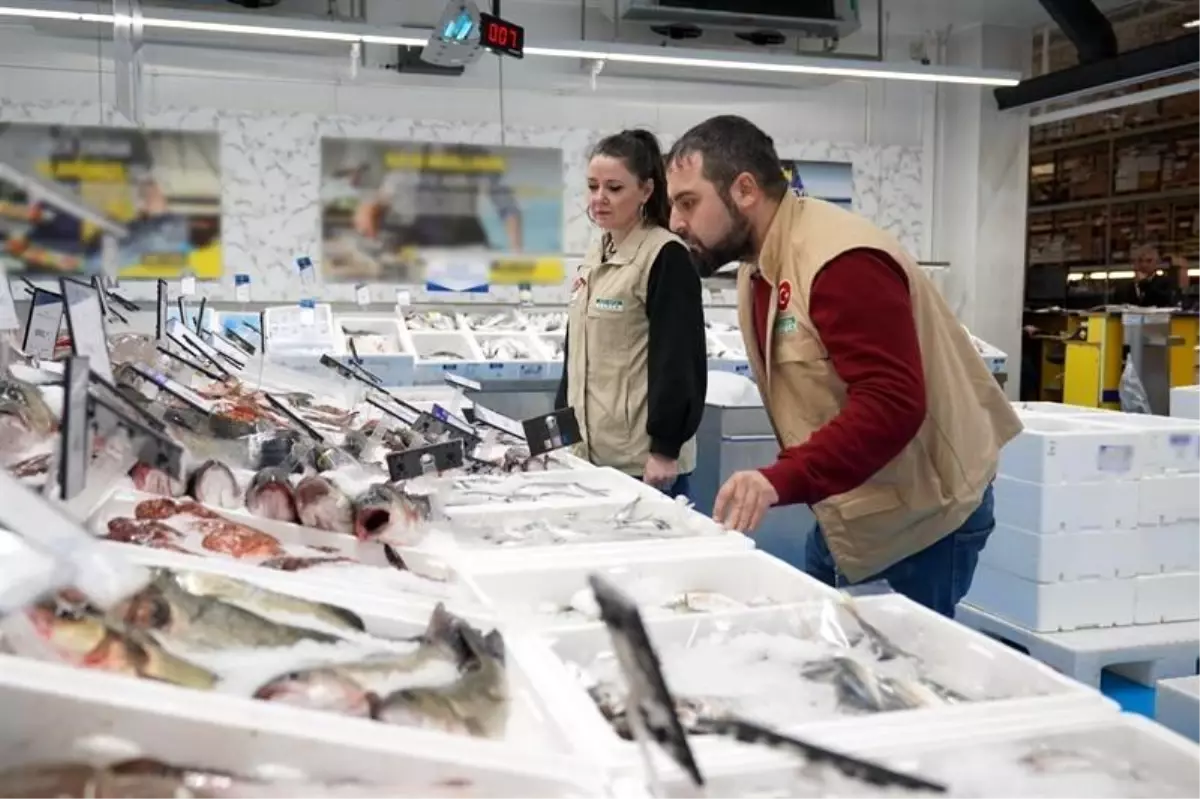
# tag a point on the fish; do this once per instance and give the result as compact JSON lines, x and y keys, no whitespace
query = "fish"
{"x":265,"y":601}
{"x":25,"y":400}
{"x":295,"y":563}
{"x":205,"y":622}
{"x":150,"y":480}
{"x":270,"y":495}
{"x":348,"y":688}
{"x":238,"y":540}
{"x":212,"y":483}
{"x":861,"y":689}
{"x":52,"y":780}
{"x":322,"y":505}
{"x":83,"y":638}
{"x":383,"y":511}
{"x":141,"y":531}
{"x":476,"y":704}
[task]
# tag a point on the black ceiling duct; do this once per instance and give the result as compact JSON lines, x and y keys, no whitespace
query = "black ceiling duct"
{"x":1087,"y":28}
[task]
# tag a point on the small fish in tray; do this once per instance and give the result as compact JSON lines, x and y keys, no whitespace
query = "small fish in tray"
{"x":654,"y":598}
{"x":429,"y":320}
{"x":444,"y":355}
{"x":480,"y":490}
{"x":630,"y":523}
{"x":495,"y":323}
{"x":206,"y":633}
{"x":506,"y":349}
{"x":132,"y":779}
{"x":549,"y":322}
{"x":821,"y":670}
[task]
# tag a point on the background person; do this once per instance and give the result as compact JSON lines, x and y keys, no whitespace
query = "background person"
{"x":1149,"y":289}
{"x":636,"y":356}
{"x":888,"y":421}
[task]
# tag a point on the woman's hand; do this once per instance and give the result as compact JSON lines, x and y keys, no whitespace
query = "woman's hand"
{"x":660,"y":472}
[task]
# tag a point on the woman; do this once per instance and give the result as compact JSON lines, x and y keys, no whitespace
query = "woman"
{"x":636,"y":360}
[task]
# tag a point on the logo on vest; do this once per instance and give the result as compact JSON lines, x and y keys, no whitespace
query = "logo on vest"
{"x":610,"y":304}
{"x":785,"y":324}
{"x":785,"y":295}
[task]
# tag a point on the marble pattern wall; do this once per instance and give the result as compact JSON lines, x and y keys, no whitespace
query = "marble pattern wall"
{"x":270,"y":165}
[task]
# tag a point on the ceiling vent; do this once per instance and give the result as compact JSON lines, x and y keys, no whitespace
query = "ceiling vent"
{"x":822,"y":19}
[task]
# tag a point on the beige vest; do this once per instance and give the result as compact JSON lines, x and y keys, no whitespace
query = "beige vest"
{"x":930,"y":489}
{"x":608,"y":352}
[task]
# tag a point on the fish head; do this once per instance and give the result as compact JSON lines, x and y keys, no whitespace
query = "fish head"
{"x":149,"y":609}
{"x":376,"y":511}
{"x":319,"y":689}
{"x":68,"y":630}
{"x":313,"y":489}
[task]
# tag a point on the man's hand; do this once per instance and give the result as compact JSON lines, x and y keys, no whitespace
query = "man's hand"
{"x":743,"y":501}
{"x":660,"y":472}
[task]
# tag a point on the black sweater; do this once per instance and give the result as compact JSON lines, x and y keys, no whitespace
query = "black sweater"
{"x":677,"y":368}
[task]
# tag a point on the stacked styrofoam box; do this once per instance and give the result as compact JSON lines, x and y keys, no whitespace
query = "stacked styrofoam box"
{"x":1185,"y":402}
{"x":1098,"y":522}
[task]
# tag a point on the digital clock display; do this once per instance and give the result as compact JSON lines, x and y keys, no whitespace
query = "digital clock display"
{"x":501,"y":36}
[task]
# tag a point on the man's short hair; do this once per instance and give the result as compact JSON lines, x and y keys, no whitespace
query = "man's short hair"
{"x":731,"y":145}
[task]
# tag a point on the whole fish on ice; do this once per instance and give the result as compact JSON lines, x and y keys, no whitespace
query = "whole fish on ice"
{"x":385,"y":512}
{"x":270,"y":495}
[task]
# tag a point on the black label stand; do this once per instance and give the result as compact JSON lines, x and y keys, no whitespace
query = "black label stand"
{"x":42,"y":324}
{"x":76,"y":442}
{"x":160,"y":322}
{"x":432,"y":460}
{"x":299,"y":423}
{"x":555,"y":431}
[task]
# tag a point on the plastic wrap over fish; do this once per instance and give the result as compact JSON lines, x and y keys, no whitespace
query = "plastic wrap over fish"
{"x":785,"y":667}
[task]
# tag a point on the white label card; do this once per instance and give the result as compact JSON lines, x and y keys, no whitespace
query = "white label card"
{"x":85,"y":319}
{"x":499,"y":421}
{"x":187,"y":286}
{"x":45,"y":319}
{"x":242,"y":292}
{"x":403,"y":298}
{"x":1116,"y":458}
{"x":362,"y":294}
{"x":8,"y":310}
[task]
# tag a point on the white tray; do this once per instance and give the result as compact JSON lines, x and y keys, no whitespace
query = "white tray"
{"x":612,"y":491}
{"x":951,"y":649}
{"x":970,"y":753}
{"x":522,"y":595}
{"x":52,"y":711}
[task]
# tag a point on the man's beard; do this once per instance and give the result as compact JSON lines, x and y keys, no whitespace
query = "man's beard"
{"x":735,"y":245}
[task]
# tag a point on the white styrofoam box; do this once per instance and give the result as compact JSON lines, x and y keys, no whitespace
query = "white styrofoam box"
{"x":453,"y":320}
{"x":428,"y":344}
{"x":607,"y":489}
{"x":552,"y":344}
{"x":71,"y":714}
{"x":994,"y":358}
{"x":992,"y":761}
{"x":396,"y":619}
{"x":530,"y":596}
{"x":1185,"y":402}
{"x":1066,"y":507}
{"x":1166,"y":597}
{"x":1067,"y":449}
{"x":1167,"y":548}
{"x":1173,"y":445}
{"x":1059,"y":409}
{"x":1059,"y":557}
{"x":1177,"y":705}
{"x":960,"y":659}
{"x":386,"y":327}
{"x":534,"y":368}
{"x":1051,"y":607}
{"x":1168,"y":499}
{"x":290,"y":331}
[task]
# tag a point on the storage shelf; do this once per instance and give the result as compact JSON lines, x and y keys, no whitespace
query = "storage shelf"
{"x":1112,"y":136}
{"x":1117,"y":199}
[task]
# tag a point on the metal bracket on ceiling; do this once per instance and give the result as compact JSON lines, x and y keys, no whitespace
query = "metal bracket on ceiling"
{"x":127,"y":58}
{"x":597,"y":68}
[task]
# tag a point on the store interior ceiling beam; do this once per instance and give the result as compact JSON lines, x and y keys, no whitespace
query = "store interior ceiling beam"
{"x":1087,"y":28}
{"x":350,"y":33}
{"x":1113,"y":103}
{"x":1162,"y":59}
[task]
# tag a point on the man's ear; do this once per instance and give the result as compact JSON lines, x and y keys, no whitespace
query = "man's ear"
{"x":743,"y":190}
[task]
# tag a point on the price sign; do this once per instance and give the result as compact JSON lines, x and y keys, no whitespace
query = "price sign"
{"x":181,"y":335}
{"x":308,"y":314}
{"x":464,"y":383}
{"x":403,"y":298}
{"x":498,"y":421}
{"x":434,"y":459}
{"x":237,"y":338}
{"x":241,"y":288}
{"x":174,"y":388}
{"x":455,"y":423}
{"x":187,"y":286}
{"x":75,"y":455}
{"x":362,"y":294}
{"x":8,"y":310}
{"x":85,"y":322}
{"x":188,"y":362}
{"x":227,"y":349}
{"x":650,"y":706}
{"x":400,"y":412}
{"x":161,"y":308}
{"x":42,"y":324}
{"x":304,"y":265}
{"x":294,"y":418}
{"x":547,"y":433}
{"x":351,"y":371}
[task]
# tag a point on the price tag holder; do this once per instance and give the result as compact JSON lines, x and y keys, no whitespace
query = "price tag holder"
{"x":188,"y":362}
{"x":394,"y":410}
{"x":199,"y":320}
{"x":465,"y":383}
{"x":8,"y":309}
{"x":308,"y":274}
{"x":175,"y":389}
{"x":152,"y":446}
{"x":42,"y":324}
{"x":650,"y":706}
{"x":362,"y":295}
{"x":498,"y":421}
{"x":853,"y":767}
{"x":104,"y":390}
{"x":299,"y":423}
{"x":187,"y":287}
{"x":351,"y":371}
{"x":185,"y":338}
{"x":262,"y":329}
{"x":554,"y":431}
{"x":403,"y":298}
{"x":308,"y":313}
{"x":241,"y":288}
{"x":247,"y":346}
{"x":456,"y":423}
{"x":161,"y":307}
{"x":231,"y":352}
{"x":434,"y":459}
{"x":85,"y":322}
{"x":75,"y":454}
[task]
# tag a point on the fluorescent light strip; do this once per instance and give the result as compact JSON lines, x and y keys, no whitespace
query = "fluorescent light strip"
{"x":551,"y":52}
{"x":1193,"y":24}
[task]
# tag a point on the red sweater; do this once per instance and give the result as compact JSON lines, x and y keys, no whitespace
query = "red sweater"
{"x":862,"y":311}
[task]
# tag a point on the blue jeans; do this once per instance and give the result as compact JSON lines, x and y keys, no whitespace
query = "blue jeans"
{"x":936,"y":577}
{"x":682,"y":487}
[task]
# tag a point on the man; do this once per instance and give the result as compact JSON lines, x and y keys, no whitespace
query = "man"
{"x":889,"y":423}
{"x":1149,"y":289}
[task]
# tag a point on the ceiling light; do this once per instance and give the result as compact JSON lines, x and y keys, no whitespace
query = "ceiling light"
{"x":615,"y":53}
{"x":1193,"y":24}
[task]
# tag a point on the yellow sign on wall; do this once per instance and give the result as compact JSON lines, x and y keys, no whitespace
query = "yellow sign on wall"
{"x":534,"y":271}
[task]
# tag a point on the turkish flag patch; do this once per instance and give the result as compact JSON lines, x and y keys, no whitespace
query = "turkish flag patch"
{"x":785,"y":295}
